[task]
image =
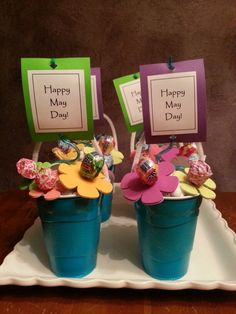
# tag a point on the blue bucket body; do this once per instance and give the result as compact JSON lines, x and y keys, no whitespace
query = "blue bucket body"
{"x":106,"y":206}
{"x":71,"y":230}
{"x":166,"y":236}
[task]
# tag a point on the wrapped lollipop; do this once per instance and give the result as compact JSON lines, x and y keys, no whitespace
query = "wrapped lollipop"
{"x":64,"y":146}
{"x":199,"y":172}
{"x":68,"y":151}
{"x":27,"y":168}
{"x":190,"y":151}
{"x":46,"y":179}
{"x":106,"y":144}
{"x":91,"y":165}
{"x":147,"y":171}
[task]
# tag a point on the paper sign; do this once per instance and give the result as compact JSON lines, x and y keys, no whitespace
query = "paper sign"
{"x":174,"y":102}
{"x":96,"y":94}
{"x":128,"y":90}
{"x":58,"y":101}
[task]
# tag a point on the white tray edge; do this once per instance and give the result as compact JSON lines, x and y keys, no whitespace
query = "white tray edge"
{"x":133,"y":284}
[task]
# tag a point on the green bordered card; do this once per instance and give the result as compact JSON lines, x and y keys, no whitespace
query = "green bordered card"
{"x":128,"y":90}
{"x":58,"y":99}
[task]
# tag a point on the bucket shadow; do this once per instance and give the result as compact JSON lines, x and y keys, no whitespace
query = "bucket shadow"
{"x":120,"y":242}
{"x":33,"y":242}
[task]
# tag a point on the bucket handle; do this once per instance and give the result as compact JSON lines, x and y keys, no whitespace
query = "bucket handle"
{"x":38,"y":145}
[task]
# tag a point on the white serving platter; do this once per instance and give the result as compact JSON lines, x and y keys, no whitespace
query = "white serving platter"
{"x":212,"y":265}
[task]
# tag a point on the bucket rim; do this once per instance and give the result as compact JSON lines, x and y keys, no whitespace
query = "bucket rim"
{"x":71,"y":196}
{"x":175,"y":198}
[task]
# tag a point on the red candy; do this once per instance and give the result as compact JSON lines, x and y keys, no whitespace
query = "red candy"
{"x":46,"y":179}
{"x":187,"y":150}
{"x":26,"y":168}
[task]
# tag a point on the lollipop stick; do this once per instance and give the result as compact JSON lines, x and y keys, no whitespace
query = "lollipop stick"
{"x":138,"y":151}
{"x":111,"y":124}
{"x":36,"y":150}
{"x":200,"y":151}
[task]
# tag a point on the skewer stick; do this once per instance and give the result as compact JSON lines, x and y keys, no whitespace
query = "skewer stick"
{"x":138,"y":151}
{"x":202,"y":156}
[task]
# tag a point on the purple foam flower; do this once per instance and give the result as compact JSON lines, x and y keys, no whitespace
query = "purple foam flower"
{"x":133,"y":189}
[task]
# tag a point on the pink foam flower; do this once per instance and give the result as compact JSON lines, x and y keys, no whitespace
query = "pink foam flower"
{"x":133,"y":189}
{"x":154,"y":151}
{"x":27,"y":168}
{"x":47,"y":185}
{"x":50,"y":195}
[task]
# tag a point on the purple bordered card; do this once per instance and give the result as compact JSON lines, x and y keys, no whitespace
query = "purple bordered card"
{"x":174,"y":101}
{"x":96,"y":87}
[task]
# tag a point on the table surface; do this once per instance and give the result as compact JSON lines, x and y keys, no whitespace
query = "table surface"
{"x":18,"y":212}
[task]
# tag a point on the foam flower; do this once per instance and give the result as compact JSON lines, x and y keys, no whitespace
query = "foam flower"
{"x":205,"y":189}
{"x":50,"y":195}
{"x":133,"y":189}
{"x":71,"y":179}
{"x":71,"y":154}
{"x":156,"y":152}
{"x":46,"y":184}
{"x":167,"y":153}
{"x":149,"y":151}
{"x":117,"y":157}
{"x":180,"y":162}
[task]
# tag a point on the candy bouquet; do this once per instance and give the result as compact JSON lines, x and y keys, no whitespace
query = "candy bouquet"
{"x":107,"y":147}
{"x":63,"y":101}
{"x":167,"y":184}
{"x":68,"y":193}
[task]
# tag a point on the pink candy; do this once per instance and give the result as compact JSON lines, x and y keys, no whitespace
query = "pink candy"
{"x":46,"y":179}
{"x":199,"y":172}
{"x":26,"y":168}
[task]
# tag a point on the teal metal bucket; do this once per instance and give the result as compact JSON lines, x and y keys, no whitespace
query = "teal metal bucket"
{"x":166,"y":236}
{"x":71,"y":228}
{"x":106,"y":206}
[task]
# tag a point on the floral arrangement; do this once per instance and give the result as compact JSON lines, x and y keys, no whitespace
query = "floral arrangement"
{"x":105,"y":142}
{"x":167,"y":170}
{"x":79,"y":171}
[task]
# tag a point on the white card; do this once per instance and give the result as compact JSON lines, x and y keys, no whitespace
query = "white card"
{"x":173,"y":103}
{"x":58,"y":100}
{"x":131,"y":93}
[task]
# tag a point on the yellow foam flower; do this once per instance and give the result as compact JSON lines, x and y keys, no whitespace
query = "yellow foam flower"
{"x":71,"y":179}
{"x":116,"y":155}
{"x":205,"y":190}
{"x":72,"y":154}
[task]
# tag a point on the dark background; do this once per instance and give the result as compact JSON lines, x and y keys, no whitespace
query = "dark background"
{"x":119,"y":36}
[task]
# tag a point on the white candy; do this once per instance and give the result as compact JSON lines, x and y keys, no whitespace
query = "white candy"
{"x":178,"y":192}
